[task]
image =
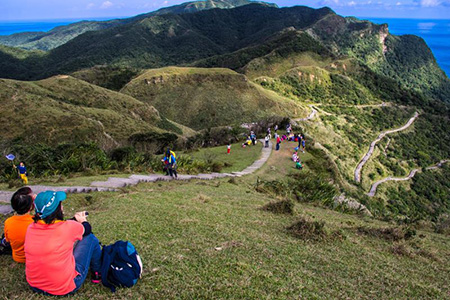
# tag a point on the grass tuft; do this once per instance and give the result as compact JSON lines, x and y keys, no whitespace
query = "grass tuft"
{"x":285,"y":206}
{"x":389,"y":233}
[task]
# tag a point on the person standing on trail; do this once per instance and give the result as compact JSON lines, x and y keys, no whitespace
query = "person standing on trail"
{"x":228,"y":148}
{"x":266,"y":139}
{"x":171,"y":163}
{"x":303,"y":145}
{"x":278,"y":143}
{"x":22,"y":172}
{"x":253,"y":137}
{"x":275,"y":128}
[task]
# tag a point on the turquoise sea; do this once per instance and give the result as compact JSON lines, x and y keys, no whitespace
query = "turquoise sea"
{"x":435,"y":32}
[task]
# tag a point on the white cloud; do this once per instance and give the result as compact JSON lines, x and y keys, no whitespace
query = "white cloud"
{"x":106,"y":4}
{"x":432,"y":3}
{"x":329,"y":2}
{"x":90,"y":5}
{"x":398,"y":3}
{"x":165,"y":2}
{"x":351,"y":3}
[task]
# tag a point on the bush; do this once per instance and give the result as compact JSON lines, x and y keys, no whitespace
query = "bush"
{"x":442,"y":225}
{"x":285,"y":206}
{"x":308,"y":230}
{"x":389,"y":233}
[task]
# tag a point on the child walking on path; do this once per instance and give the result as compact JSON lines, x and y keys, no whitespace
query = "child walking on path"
{"x":22,"y":172}
{"x":228,"y":148}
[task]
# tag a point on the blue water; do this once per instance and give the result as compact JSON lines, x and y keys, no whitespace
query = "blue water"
{"x":10,"y":27}
{"x":436,"y":34}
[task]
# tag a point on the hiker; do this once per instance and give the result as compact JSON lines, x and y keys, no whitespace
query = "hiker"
{"x":298,"y":164}
{"x":278,"y":143}
{"x":22,"y":172}
{"x":228,"y":148}
{"x":171,"y":164}
{"x":275,"y":128}
{"x":16,"y":226}
{"x":266,"y":140}
{"x":288,"y":129}
{"x":268,"y":131}
{"x":248,"y":142}
{"x":54,"y":264}
{"x":294,"y":156}
{"x":253,"y":138}
{"x":303,"y":145}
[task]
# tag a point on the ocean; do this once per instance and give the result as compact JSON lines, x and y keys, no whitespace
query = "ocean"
{"x":436,"y":33}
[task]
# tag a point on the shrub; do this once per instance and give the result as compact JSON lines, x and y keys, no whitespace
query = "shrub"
{"x":308,"y":230}
{"x":442,"y":225}
{"x":389,"y":233}
{"x":285,"y":206}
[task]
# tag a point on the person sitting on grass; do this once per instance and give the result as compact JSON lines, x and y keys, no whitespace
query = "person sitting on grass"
{"x":16,"y":226}
{"x":298,"y":164}
{"x":22,"y":172}
{"x":294,"y":156}
{"x":55,"y":265}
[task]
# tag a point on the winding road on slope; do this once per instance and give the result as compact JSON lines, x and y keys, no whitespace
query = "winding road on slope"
{"x":374,"y":187}
{"x":373,"y":144}
{"x":309,"y":117}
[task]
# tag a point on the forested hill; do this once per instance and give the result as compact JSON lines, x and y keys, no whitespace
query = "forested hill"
{"x":244,"y":33}
{"x":62,"y":34}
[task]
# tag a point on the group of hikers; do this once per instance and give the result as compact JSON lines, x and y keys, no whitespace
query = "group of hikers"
{"x":57,"y":253}
{"x":289,"y":136}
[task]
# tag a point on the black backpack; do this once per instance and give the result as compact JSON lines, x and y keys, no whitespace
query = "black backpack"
{"x":121,"y":265}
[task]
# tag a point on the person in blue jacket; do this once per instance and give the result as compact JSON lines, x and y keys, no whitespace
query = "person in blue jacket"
{"x":22,"y":172}
{"x":171,"y":163}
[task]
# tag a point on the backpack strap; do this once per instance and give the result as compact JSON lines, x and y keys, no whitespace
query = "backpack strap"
{"x":108,"y":254}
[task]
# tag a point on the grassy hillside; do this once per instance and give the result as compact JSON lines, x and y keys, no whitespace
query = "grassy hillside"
{"x":212,"y":240}
{"x":109,"y":77}
{"x":65,"y":109}
{"x":204,"y":98}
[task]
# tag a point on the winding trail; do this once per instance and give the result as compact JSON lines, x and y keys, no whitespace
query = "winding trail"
{"x":115,"y":183}
{"x":309,"y":117}
{"x":373,"y":144}
{"x":374,"y":187}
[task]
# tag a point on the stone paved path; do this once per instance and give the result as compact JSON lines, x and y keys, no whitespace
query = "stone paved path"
{"x":374,"y":187}
{"x":372,"y":146}
{"x":114,"y":183}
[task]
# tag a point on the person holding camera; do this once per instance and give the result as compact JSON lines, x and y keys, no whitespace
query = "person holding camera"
{"x":59,"y":253}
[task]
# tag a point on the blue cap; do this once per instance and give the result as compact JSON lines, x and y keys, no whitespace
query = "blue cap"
{"x":47,"y":202}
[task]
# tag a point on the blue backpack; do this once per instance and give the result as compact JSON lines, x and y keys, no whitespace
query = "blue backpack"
{"x":121,"y":265}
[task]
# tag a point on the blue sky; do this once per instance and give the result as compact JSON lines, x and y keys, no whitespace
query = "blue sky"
{"x":76,"y":9}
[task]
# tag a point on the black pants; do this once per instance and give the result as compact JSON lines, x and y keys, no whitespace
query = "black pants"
{"x":172,"y":171}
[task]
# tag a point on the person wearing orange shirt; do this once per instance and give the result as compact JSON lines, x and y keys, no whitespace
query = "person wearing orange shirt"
{"x":16,"y":226}
{"x":59,"y":253}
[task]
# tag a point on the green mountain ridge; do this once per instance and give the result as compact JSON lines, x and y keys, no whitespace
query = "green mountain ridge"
{"x":62,"y":34}
{"x":211,"y":38}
